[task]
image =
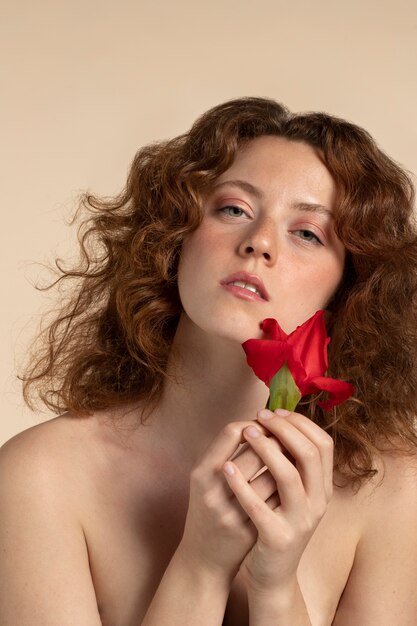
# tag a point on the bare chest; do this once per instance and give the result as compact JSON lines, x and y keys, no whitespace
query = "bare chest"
{"x":132,"y":534}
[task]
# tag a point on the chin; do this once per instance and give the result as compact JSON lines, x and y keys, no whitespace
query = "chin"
{"x":237,"y":332}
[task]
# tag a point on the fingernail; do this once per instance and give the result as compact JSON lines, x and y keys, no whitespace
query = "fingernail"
{"x":264,"y":414}
{"x":252,"y":431}
{"x":229,"y":469}
{"x":282,"y":412}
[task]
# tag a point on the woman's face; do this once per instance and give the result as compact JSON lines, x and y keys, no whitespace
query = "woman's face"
{"x":268,"y":225}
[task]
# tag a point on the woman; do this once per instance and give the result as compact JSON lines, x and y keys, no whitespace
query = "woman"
{"x":134,"y":506}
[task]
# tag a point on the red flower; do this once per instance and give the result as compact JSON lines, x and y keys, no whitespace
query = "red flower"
{"x":305,"y":353}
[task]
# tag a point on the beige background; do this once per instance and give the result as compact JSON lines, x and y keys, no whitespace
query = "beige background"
{"x":86,"y":82}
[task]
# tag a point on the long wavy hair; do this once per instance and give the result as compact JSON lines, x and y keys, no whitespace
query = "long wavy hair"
{"x":109,"y":344}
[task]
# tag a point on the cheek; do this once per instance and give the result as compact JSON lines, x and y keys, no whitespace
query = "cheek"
{"x":198,"y":254}
{"x":200,"y":248}
{"x":326,"y":281}
{"x":317,"y":283}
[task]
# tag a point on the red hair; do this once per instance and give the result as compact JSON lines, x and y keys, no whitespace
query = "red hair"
{"x":109,"y":344}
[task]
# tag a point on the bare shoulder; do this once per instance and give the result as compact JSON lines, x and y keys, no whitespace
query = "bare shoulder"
{"x":67,"y":428}
{"x":45,"y":473}
{"x":381,"y":587}
{"x":395,"y":486}
{"x":67,"y":457}
{"x":61,"y":443}
{"x":38,"y":453}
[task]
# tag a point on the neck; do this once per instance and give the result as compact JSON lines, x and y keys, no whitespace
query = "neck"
{"x":209,"y":385}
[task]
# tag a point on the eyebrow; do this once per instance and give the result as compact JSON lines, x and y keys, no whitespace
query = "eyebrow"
{"x":243,"y":184}
{"x":257,"y":193}
{"x":314,"y":208}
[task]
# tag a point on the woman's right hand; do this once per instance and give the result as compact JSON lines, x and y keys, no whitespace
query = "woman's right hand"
{"x":218,"y":533}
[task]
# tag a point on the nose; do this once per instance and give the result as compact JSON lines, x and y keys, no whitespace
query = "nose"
{"x":260,"y":242}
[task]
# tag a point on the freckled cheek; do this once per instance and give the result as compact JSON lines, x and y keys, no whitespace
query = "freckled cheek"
{"x":199,"y":255}
{"x":321,"y":282}
{"x":203,"y":244}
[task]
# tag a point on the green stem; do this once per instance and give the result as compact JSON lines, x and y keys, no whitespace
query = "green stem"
{"x":283,"y":392}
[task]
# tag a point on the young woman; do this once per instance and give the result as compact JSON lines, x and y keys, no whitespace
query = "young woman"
{"x":165,"y":494}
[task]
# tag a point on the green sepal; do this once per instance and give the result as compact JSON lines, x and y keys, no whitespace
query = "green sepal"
{"x":283,"y":392}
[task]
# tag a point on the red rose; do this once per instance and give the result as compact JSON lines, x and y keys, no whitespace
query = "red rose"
{"x":304,"y":352}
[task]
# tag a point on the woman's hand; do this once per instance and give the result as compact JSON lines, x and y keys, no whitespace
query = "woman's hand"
{"x":218,"y":533}
{"x":304,"y":485}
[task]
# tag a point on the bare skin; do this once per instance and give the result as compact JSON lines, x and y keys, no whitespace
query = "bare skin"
{"x":99,"y":524}
{"x":130,"y":500}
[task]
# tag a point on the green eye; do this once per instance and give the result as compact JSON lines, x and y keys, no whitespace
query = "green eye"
{"x":233,"y":211}
{"x":308,"y":235}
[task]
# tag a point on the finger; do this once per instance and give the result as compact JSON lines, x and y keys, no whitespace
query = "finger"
{"x":305,"y":453}
{"x":264,"y":485}
{"x":222,"y":448}
{"x":245,"y":458}
{"x":324,"y":443}
{"x":287,"y":477}
{"x":308,"y":466}
{"x":315,"y":434}
{"x":273,"y":501}
{"x":248,"y":462}
{"x":205,"y":475}
{"x":256,"y":509}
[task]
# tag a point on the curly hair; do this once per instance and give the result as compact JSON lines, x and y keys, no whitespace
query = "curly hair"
{"x":109,"y":344}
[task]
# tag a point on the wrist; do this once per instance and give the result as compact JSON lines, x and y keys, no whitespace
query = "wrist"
{"x":187,"y":594}
{"x":284,"y":604}
{"x":200,"y":573}
{"x":282,"y":592}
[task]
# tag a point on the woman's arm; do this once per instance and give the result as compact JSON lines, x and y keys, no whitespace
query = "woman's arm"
{"x":196,"y":585}
{"x":285,"y":606}
{"x":45,"y":577}
{"x":382,"y":589}
{"x":188,"y":595}
{"x":303,"y":471}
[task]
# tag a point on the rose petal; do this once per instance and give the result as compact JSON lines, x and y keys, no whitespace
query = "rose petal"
{"x":309,"y":345}
{"x":339,"y":391}
{"x":274,"y":331}
{"x":265,"y":357}
{"x":305,"y":352}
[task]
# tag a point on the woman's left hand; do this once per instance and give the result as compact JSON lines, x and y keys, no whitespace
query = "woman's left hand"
{"x":304,"y":485}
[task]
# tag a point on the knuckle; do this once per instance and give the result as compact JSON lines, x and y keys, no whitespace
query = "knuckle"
{"x":232,"y":429}
{"x":284,"y":539}
{"x":209,"y":501}
{"x":290,"y":478}
{"x":198,"y":477}
{"x":196,"y":473}
{"x":310,"y":452}
{"x":255,"y":508}
{"x":235,"y":429}
{"x":227,"y":521}
{"x":327,"y":443}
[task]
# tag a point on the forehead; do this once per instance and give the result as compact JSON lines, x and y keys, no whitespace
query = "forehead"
{"x":274,"y":162}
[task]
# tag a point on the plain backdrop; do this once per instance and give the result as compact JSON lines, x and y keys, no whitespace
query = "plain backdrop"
{"x":85,"y":83}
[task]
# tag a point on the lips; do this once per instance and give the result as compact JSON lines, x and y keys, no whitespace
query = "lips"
{"x":252,"y":279}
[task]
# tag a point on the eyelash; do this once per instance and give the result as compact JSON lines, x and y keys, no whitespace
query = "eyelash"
{"x":232,"y":206}
{"x":314,"y":238}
